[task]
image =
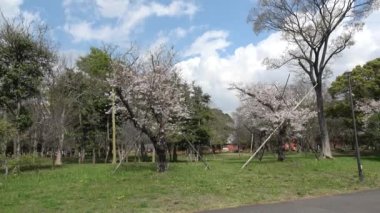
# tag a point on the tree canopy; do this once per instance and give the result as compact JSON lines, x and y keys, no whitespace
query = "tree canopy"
{"x":365,"y":81}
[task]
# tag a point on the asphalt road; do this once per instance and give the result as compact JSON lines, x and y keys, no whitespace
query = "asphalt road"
{"x":359,"y":202}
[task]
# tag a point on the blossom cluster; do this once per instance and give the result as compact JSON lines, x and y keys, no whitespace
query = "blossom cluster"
{"x":268,"y":105}
{"x":153,"y":89}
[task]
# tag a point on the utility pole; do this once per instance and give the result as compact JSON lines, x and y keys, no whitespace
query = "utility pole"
{"x":113,"y":128}
{"x":360,"y":167}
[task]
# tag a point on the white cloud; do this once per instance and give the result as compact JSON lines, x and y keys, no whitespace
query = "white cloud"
{"x":112,"y":9}
{"x":175,"y":8}
{"x":10,"y":8}
{"x":209,"y":43}
{"x":180,"y":32}
{"x":85,"y":31}
{"x":125,"y":15}
{"x":30,"y":17}
{"x":215,"y":72}
{"x":172,"y":36}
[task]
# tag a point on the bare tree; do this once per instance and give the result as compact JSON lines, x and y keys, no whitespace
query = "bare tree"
{"x":317,"y":31}
{"x":63,"y":97}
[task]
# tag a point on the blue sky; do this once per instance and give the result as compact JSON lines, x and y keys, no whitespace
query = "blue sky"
{"x":215,"y":44}
{"x":207,"y":15}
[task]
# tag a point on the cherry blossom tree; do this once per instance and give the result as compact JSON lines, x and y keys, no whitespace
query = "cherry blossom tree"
{"x":271,"y":106}
{"x":368,"y":107}
{"x":151,"y":93}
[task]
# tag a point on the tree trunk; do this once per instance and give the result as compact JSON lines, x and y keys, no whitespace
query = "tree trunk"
{"x":42,"y":154}
{"x":76,"y":151}
{"x":143,"y":151}
{"x":107,"y":143}
{"x":175,"y":156}
{"x":280,"y":140}
{"x":200,"y":152}
{"x":5,"y":167}
{"x":170,"y":147}
{"x":79,"y":157}
{"x":262,"y":151}
{"x":113,"y":127}
{"x":154,"y":155}
{"x":93,"y":156}
{"x":99,"y":153}
{"x":84,"y":134}
{"x":107,"y":152}
{"x":160,"y":147}
{"x":58,"y":159}
{"x":137,"y":153}
{"x":189,"y":153}
{"x":35,"y":153}
{"x":82,"y":155}
{"x":119,"y":152}
{"x":325,"y":142}
{"x":16,"y":143}
{"x":251,"y":142}
{"x":197,"y":157}
{"x":161,"y":153}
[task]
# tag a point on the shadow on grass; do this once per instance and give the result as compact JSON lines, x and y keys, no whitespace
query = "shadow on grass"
{"x":137,"y":167}
{"x":365,"y":155}
{"x":31,"y":168}
{"x":371,"y":158}
{"x":352,"y":153}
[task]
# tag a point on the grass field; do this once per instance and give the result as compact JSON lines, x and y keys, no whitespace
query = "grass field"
{"x":186,"y":187}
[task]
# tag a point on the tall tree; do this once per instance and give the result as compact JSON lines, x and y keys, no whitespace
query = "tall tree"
{"x":25,"y":57}
{"x":64,"y":98}
{"x":313,"y":28}
{"x":196,"y":129}
{"x":97,"y":64}
{"x":366,"y":90}
{"x":152,"y":95}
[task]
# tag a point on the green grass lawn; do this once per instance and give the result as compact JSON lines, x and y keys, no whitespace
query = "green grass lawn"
{"x":186,"y":187}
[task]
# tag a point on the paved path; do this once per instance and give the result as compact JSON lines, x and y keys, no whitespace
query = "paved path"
{"x":359,"y":202}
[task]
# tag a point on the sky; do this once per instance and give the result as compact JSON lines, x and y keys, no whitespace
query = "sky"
{"x":216,"y":47}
